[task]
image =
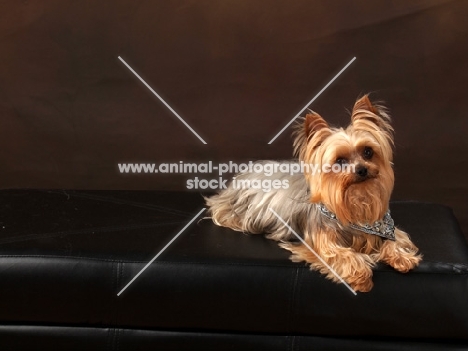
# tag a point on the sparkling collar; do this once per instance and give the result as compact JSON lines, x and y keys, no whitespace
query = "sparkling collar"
{"x":384,"y":228}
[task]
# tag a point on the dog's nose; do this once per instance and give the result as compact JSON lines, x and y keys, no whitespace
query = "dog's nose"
{"x":361,"y":171}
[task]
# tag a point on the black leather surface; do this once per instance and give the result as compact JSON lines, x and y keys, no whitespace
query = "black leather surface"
{"x":26,"y":338}
{"x":64,"y":256}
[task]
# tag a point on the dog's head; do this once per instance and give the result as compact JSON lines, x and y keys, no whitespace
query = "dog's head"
{"x":350,"y":170}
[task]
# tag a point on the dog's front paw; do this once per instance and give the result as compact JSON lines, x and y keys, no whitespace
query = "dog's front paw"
{"x":401,"y":254}
{"x":365,"y":286}
{"x":353,"y":268}
{"x":404,"y":261}
{"x":361,"y":280}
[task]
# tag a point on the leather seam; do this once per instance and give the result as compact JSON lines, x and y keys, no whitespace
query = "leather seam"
{"x":93,"y":230}
{"x":141,"y":261}
{"x":463,"y":266}
{"x":291,"y":307}
{"x":117,"y":339}
{"x":122,"y":202}
{"x":293,"y":342}
{"x":292,"y":298}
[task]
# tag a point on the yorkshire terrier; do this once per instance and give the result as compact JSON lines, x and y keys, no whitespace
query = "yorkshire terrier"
{"x":343,"y":216}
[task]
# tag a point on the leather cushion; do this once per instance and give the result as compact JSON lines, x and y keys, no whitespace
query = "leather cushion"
{"x":64,"y":256}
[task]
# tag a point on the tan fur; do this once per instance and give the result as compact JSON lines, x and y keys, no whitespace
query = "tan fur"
{"x":351,"y":253}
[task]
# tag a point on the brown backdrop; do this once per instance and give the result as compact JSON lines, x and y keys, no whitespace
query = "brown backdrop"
{"x":237,"y":71}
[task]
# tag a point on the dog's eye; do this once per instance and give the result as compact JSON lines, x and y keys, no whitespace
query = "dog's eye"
{"x":368,"y":153}
{"x":341,"y":161}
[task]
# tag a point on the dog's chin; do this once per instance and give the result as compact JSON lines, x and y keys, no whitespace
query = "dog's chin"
{"x":365,"y":190}
{"x":364,"y":200}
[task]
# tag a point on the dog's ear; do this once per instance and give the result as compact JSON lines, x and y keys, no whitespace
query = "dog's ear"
{"x":314,"y":123}
{"x":364,"y":103}
{"x":367,"y":116}
{"x":310,"y":134}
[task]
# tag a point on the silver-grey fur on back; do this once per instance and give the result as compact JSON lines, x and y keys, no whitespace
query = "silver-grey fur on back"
{"x":247,"y":209}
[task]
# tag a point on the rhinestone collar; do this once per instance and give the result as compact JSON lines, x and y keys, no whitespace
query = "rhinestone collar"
{"x":384,"y":228}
